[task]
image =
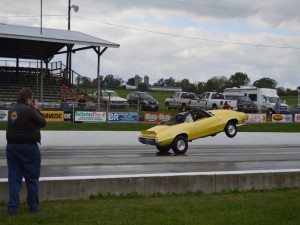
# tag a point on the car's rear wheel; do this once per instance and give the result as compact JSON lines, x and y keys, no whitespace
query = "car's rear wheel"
{"x":163,"y":149}
{"x":214,"y":107}
{"x":180,"y":145}
{"x":183,"y":108}
{"x":231,"y":129}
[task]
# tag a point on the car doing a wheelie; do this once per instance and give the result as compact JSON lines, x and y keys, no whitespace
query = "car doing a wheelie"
{"x":190,"y":125}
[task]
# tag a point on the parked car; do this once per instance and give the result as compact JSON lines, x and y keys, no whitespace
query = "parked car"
{"x":180,"y":100}
{"x":111,"y":98}
{"x":215,"y":100}
{"x":176,"y":133}
{"x":294,"y":109}
{"x":143,"y":100}
{"x":244,"y":103}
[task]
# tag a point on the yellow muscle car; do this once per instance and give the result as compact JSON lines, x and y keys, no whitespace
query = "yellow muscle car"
{"x":190,"y":125}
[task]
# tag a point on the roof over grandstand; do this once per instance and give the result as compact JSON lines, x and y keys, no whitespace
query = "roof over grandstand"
{"x":36,"y":43}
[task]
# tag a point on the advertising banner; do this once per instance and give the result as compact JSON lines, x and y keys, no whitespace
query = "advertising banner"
{"x":122,"y":117}
{"x":53,"y":116}
{"x":89,"y":116}
{"x":256,"y":118}
{"x":3,"y":115}
{"x":297,"y":117}
{"x":157,"y":116}
{"x":67,"y":115}
{"x":282,"y":118}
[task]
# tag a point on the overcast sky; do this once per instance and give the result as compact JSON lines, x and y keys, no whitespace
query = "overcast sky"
{"x":193,"y":39}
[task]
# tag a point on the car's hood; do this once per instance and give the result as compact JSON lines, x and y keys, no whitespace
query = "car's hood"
{"x":150,"y":100}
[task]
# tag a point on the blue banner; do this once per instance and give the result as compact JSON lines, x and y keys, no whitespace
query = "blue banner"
{"x":122,"y":117}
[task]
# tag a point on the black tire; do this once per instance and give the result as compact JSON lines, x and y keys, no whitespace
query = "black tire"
{"x":183,"y":108}
{"x":167,"y":106}
{"x":180,"y":145}
{"x":214,"y":107}
{"x":231,"y":129}
{"x":163,"y":149}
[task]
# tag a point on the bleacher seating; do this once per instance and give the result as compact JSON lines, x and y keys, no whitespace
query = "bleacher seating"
{"x":10,"y":84}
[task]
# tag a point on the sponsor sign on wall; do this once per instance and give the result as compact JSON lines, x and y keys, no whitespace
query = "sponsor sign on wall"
{"x":67,"y":115}
{"x":89,"y":116}
{"x":282,"y":118}
{"x":53,"y":116}
{"x":297,"y":117}
{"x":122,"y":117}
{"x":157,"y":116}
{"x":3,"y":115}
{"x":256,"y":118}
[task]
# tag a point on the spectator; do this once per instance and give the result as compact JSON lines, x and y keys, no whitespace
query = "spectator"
{"x":22,"y":150}
{"x":64,"y":105}
{"x":277,"y":106}
{"x":81,"y":102}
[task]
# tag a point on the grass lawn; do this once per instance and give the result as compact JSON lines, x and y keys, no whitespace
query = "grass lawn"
{"x":280,"y":207}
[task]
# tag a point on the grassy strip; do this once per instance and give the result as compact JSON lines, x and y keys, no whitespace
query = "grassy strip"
{"x":250,"y":127}
{"x":279,"y":207}
{"x":270,"y":127}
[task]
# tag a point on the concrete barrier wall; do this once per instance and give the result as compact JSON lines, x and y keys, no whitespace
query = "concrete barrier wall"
{"x":84,"y":187}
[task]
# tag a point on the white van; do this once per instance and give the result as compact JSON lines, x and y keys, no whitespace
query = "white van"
{"x":264,"y":98}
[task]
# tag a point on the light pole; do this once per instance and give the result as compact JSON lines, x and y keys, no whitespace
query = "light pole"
{"x":76,"y":8}
{"x":68,"y":60}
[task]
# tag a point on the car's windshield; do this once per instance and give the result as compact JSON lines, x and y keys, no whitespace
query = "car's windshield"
{"x":272,"y":99}
{"x":146,"y":96}
{"x":112,"y":94}
{"x":245,"y":99}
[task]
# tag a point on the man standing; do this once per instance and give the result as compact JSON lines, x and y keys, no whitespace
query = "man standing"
{"x":277,"y":106}
{"x":22,"y":150}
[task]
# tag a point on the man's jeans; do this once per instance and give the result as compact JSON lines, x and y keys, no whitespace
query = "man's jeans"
{"x":23,"y":160}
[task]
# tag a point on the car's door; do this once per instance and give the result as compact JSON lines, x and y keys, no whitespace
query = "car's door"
{"x":207,"y":126}
{"x":203,"y":100}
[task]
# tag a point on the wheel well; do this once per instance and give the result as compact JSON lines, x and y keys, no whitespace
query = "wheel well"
{"x":233,"y":120}
{"x":183,"y":134}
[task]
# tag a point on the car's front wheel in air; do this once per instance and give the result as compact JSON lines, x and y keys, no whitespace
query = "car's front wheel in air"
{"x":180,"y":145}
{"x":231,"y":129}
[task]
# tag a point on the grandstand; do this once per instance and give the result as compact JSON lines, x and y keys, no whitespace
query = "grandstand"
{"x":12,"y":79}
{"x":46,"y":78}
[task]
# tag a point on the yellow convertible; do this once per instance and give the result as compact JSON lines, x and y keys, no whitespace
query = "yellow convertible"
{"x":190,"y":125}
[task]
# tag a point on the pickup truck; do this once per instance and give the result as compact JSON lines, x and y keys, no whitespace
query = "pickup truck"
{"x":180,"y":100}
{"x":215,"y":100}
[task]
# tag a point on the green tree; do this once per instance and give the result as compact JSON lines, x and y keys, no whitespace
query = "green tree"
{"x":161,"y":83}
{"x":131,"y":81}
{"x":186,"y":85}
{"x":281,"y":91}
{"x":170,"y":82}
{"x":216,"y":84}
{"x":95,"y":82}
{"x":238,"y":79}
{"x":143,"y":87}
{"x":265,"y":83}
{"x":200,"y":87}
{"x":112,"y":82}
